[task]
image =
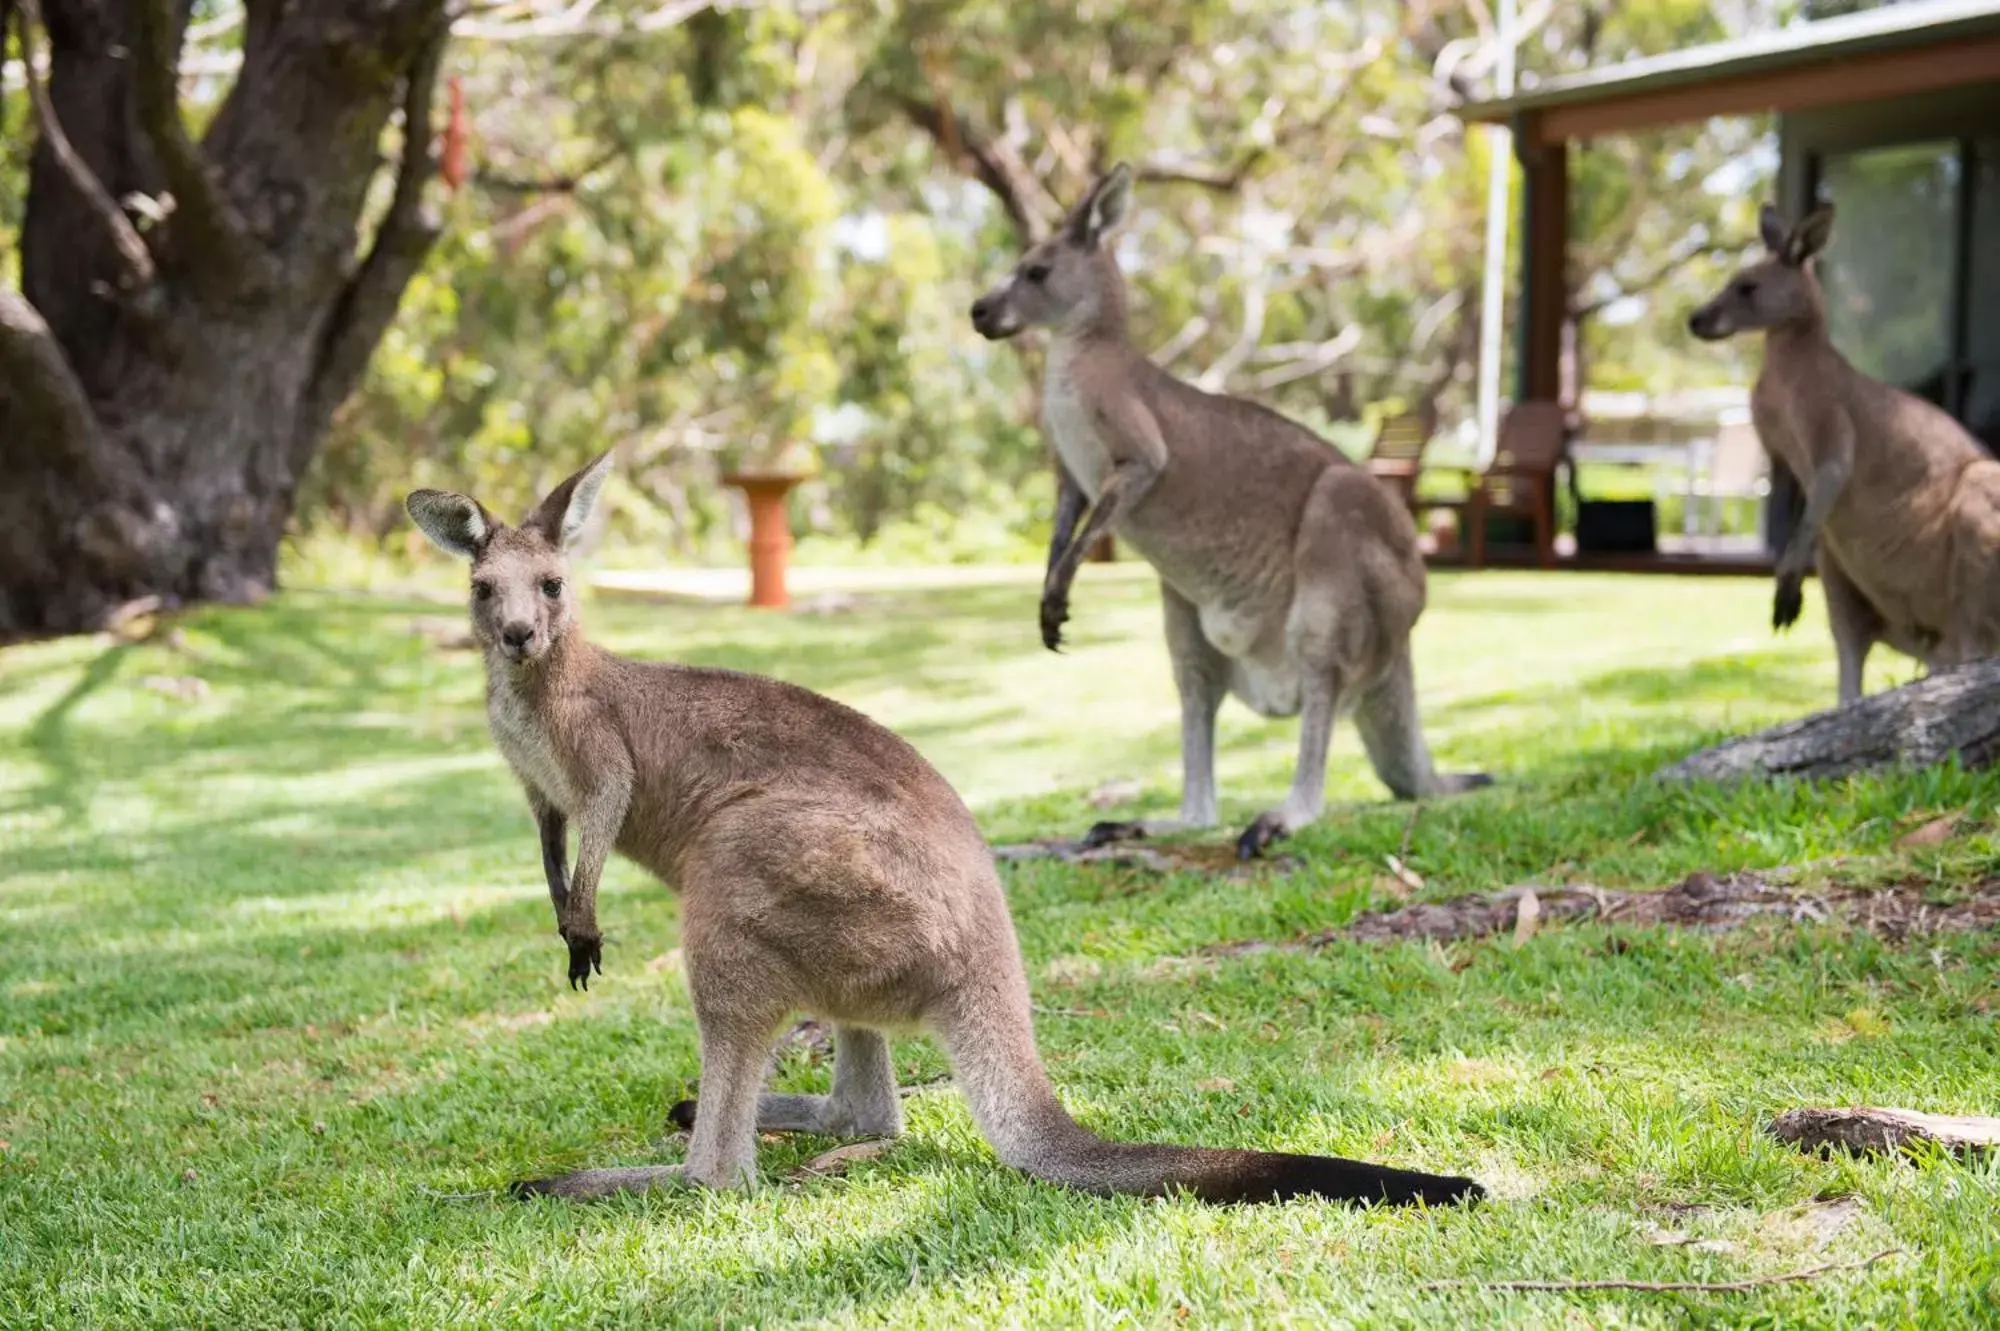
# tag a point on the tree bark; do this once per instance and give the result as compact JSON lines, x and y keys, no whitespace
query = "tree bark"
{"x":1954,"y":712}
{"x":154,"y":425}
{"x":1876,"y":1131}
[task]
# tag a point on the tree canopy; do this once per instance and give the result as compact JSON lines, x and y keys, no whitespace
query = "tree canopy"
{"x":711,"y":234}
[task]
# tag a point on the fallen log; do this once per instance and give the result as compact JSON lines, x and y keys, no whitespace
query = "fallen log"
{"x":1953,"y":712}
{"x":1868,"y":1131}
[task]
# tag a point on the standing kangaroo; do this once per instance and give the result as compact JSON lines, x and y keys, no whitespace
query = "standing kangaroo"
{"x":822,"y":866}
{"x":1291,"y":578}
{"x":1902,"y":505}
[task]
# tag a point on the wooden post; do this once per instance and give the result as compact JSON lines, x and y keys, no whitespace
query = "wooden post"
{"x":1544,"y":270}
{"x":770,"y":533}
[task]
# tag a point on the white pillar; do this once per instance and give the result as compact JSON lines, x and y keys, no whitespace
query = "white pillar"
{"x":1493,"y":298}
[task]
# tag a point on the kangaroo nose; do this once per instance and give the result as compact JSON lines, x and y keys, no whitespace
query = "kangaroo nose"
{"x":517,"y":635}
{"x":979,"y":308}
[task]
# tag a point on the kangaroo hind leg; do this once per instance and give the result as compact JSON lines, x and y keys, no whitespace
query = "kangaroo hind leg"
{"x":1201,"y":676}
{"x":1386,"y":716}
{"x":864,"y":1102}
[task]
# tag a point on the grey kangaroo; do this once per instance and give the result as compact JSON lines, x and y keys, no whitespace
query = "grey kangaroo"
{"x":822,"y":866}
{"x":1902,"y":509}
{"x":1291,"y":578}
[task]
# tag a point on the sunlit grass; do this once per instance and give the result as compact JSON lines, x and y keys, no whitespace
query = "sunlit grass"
{"x":279,"y":969}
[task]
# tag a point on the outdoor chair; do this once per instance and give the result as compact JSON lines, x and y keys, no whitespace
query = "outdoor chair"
{"x":1521,"y":478}
{"x":1397,"y":458}
{"x":1738,"y":469}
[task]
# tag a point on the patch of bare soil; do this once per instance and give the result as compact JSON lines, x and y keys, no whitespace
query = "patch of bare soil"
{"x":1700,"y":901}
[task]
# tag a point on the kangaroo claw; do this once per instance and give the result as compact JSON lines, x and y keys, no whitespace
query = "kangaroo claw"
{"x":586,"y":953}
{"x":1268,"y":828}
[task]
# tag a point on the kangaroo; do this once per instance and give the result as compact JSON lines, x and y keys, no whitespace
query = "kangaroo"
{"x":1291,"y":577}
{"x":822,"y":866}
{"x":1902,"y":511}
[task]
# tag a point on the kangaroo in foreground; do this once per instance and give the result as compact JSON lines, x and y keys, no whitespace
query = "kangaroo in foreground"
{"x":1291,"y":577}
{"x":1902,"y":505}
{"x":822,"y":866}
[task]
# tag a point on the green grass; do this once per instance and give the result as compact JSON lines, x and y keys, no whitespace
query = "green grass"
{"x":279,"y":968}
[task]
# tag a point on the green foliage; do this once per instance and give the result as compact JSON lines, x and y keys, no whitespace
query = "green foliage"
{"x":752,"y":237}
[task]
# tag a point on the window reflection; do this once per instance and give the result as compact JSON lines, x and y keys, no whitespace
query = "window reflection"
{"x":1888,"y":272}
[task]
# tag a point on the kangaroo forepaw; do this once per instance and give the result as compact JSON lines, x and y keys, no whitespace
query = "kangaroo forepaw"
{"x":1268,"y":828}
{"x":1789,"y":601}
{"x":586,"y":952}
{"x":1106,"y":833}
{"x":1055,"y":613}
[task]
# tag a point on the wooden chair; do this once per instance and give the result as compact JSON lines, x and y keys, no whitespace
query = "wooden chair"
{"x":1397,"y":459}
{"x":1522,"y":478}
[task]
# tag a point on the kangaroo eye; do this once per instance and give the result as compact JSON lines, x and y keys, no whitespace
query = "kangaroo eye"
{"x":1037,"y":273}
{"x":1746,"y":289}
{"x":482,"y":591}
{"x":552,"y":587}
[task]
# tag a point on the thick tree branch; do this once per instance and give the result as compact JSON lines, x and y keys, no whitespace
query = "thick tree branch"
{"x":1650,"y":278}
{"x":402,"y":242}
{"x":499,"y":182}
{"x":204,"y":223}
{"x":42,"y":404}
{"x":1000,"y":171}
{"x":133,"y":256}
{"x":1222,"y":182}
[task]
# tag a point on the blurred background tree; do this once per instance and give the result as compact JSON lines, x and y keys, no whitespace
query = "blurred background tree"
{"x":709,"y":235}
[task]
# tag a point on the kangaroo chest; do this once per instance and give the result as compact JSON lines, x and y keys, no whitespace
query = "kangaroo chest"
{"x":524,"y":741}
{"x":1070,"y":422}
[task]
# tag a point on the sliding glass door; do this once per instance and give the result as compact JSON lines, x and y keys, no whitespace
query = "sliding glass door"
{"x":1912,"y":275}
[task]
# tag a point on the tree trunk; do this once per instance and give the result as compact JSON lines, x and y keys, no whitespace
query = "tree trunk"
{"x":161,"y":397}
{"x":1955,"y":712}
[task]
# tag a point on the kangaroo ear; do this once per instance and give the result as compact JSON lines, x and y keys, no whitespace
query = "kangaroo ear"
{"x":1104,"y":209}
{"x":1771,"y":228}
{"x":562,"y":515}
{"x":1811,"y":236}
{"x":455,"y":523}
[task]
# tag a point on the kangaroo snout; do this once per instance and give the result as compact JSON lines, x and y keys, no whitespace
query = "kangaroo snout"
{"x":992,"y":318}
{"x":516,"y":637}
{"x":1708,"y":325}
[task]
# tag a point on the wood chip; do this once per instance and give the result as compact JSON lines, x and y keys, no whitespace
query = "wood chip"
{"x":1403,"y":873}
{"x":1527,"y":915}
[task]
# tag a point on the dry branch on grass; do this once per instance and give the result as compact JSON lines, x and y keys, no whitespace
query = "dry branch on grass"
{"x":1867,"y":1131}
{"x":1700,"y":901}
{"x":1952,"y":713}
{"x":1669,"y":1286}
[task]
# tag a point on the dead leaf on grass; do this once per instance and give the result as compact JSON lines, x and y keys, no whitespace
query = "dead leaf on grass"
{"x":1813,"y":1224}
{"x":181,"y":688}
{"x":1478,"y":1072}
{"x":1215,"y":1084}
{"x":1933,"y":833}
{"x":836,"y":1161}
{"x":1122,"y":790}
{"x":670,"y":960}
{"x":1403,"y":873}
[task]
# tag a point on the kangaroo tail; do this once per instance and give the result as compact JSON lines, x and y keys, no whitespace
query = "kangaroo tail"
{"x":992,"y":1050}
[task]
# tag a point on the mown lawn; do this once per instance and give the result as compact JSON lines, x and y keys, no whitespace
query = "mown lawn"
{"x":278,"y":971}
